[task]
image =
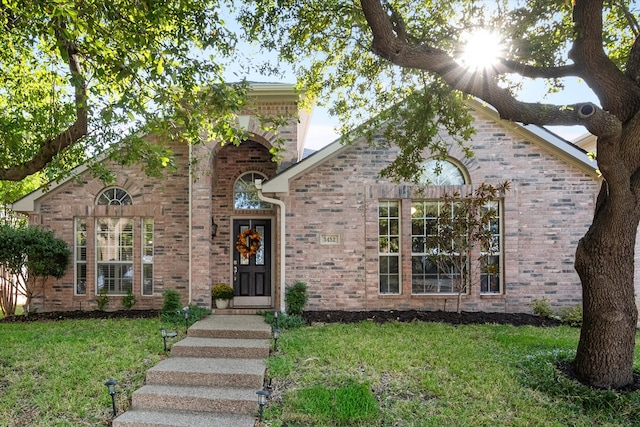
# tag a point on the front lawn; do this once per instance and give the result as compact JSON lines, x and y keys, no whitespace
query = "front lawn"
{"x":52,"y":373}
{"x":430,"y":374}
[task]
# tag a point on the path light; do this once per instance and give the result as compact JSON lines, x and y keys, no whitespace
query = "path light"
{"x":111,"y":386}
{"x":267,"y":385}
{"x":276,"y":335}
{"x":185,"y":311}
{"x":275,"y":317}
{"x":166,"y":335}
{"x":263,"y":395}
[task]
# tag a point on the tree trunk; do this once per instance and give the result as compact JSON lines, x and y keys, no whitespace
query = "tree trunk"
{"x":605,"y":264}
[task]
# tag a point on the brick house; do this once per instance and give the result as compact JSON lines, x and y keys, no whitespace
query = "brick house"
{"x":327,"y":220}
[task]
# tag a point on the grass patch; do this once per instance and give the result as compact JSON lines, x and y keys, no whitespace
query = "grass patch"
{"x":351,"y":404}
{"x":53,"y":373}
{"x":430,"y":374}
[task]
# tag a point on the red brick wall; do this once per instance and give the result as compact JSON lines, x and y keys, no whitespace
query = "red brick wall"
{"x":547,"y":210}
{"x":165,"y":200}
{"x":214,"y":171}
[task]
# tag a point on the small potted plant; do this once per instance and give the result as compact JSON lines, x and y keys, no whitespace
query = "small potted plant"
{"x":221,"y":293}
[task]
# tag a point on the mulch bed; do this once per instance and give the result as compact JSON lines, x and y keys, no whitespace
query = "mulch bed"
{"x":464,"y":318}
{"x":453,"y":318}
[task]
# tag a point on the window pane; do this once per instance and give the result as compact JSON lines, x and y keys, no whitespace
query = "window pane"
{"x":147,"y":279}
{"x":114,"y":197}
{"x":114,"y":253}
{"x":441,"y":172}
{"x":147,"y":256}
{"x":490,"y":277}
{"x":245,"y":193}
{"x":80,"y":252}
{"x":260,"y":253}
{"x":389,"y":247}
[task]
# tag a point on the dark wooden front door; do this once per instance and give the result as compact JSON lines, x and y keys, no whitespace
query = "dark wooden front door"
{"x":252,"y":275}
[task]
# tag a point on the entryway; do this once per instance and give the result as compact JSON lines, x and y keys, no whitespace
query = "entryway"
{"x":252,"y":274}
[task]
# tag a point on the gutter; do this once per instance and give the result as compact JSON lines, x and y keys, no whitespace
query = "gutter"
{"x":190,"y":220}
{"x":258,"y":184}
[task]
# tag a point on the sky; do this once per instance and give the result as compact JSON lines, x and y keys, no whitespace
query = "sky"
{"x":322,"y":126}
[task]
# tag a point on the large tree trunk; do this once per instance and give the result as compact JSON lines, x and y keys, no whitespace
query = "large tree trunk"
{"x":605,"y":264}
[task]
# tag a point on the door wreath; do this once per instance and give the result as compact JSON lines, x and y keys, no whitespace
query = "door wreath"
{"x":248,"y":242}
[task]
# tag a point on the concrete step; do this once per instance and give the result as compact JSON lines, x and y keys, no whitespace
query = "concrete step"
{"x":221,"y":347}
{"x":196,"y":371}
{"x":231,"y":326}
{"x":149,"y":418}
{"x":199,"y":399}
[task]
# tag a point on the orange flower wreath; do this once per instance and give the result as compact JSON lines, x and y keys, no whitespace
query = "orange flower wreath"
{"x":248,"y":242}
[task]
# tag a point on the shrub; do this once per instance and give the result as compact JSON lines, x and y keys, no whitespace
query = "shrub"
{"x":171,"y":302}
{"x":285,"y":321}
{"x":542,"y":308}
{"x":102,"y":299}
{"x":295,"y":298}
{"x":221,"y":291}
{"x":572,"y":316}
{"x":129,"y":300}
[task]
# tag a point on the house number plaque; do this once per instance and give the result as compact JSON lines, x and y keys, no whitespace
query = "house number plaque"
{"x":329,"y":239}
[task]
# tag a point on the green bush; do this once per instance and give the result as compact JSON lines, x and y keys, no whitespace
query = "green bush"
{"x":295,"y":298}
{"x":176,"y":317}
{"x":572,"y":316}
{"x":285,"y":321}
{"x":102,"y":299}
{"x":129,"y":300}
{"x":542,"y":308}
{"x":171,"y":302}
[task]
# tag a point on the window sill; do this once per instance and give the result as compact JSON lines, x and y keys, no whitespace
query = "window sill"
{"x":492,"y":296}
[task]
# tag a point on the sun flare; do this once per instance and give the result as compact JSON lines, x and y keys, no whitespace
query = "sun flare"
{"x":482,"y":49}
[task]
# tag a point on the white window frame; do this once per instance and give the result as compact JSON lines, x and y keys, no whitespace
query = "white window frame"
{"x":388,"y":251}
{"x":80,"y":256}
{"x":146,"y":258}
{"x":118,"y":256}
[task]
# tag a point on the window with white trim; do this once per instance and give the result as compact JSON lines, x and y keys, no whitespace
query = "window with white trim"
{"x":80,"y":256}
{"x":491,"y":275}
{"x":147,"y":256}
{"x":114,"y":255}
{"x":427,"y":277}
{"x":245,"y":193}
{"x":389,"y":246}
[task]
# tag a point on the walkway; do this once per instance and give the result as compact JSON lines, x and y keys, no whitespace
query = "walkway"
{"x":210,"y":379}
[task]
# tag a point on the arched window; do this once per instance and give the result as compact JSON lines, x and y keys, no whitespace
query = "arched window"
{"x":245,"y":193}
{"x":441,"y":172}
{"x":114,"y":197}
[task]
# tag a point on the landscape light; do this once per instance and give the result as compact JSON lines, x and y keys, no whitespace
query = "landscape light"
{"x":263,"y":395}
{"x":185,"y":311}
{"x":276,"y":335}
{"x":166,"y":335}
{"x":111,"y":386}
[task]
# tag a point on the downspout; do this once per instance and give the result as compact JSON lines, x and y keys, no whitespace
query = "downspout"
{"x":258,"y":184}
{"x":190,"y":217}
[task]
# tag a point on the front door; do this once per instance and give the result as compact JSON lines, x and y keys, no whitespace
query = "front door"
{"x":252,"y":274}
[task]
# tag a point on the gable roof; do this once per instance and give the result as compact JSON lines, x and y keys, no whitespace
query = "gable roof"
{"x":272,"y":92}
{"x":535,"y":134}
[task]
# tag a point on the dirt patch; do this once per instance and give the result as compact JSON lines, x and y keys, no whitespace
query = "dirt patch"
{"x":464,"y":318}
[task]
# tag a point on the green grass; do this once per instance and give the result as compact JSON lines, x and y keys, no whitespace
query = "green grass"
{"x":53,"y":373}
{"x":419,"y":374}
{"x":425,"y":374}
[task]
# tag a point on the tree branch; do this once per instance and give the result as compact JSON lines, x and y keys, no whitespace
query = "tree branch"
{"x":53,"y":146}
{"x":618,"y":94}
{"x":510,"y":66}
{"x":480,"y":84}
